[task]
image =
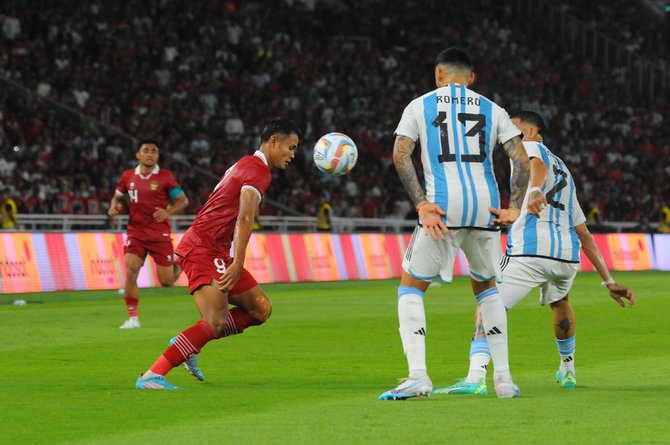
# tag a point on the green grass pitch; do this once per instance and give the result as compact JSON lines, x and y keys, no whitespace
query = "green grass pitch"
{"x":312,"y":374}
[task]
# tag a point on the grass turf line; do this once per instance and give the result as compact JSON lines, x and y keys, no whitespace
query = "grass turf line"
{"x":313,"y":372}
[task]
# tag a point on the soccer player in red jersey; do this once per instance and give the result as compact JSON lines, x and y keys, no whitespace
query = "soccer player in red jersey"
{"x":215,"y":279}
{"x":150,"y":189}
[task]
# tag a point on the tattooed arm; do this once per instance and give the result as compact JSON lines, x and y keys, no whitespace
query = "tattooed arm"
{"x":402,"y":158}
{"x":429,"y":213}
{"x":520,"y":175}
{"x":514,"y":149}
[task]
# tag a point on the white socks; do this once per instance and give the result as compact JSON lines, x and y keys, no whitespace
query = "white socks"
{"x":412,"y":317}
{"x":566,"y":349}
{"x":494,"y":320}
{"x":480,"y":356}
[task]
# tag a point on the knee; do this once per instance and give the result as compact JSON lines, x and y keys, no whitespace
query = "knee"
{"x":165,"y":282}
{"x":218,"y":325}
{"x":560,"y":304}
{"x":132,"y":272}
{"x":263,"y":309}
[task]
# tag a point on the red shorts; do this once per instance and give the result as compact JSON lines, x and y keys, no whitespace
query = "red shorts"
{"x":201,"y":266}
{"x":161,"y":251}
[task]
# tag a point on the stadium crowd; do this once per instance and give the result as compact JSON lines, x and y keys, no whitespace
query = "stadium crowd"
{"x":201,"y":77}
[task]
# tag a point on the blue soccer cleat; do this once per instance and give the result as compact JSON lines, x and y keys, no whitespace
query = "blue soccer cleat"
{"x":192,"y":366}
{"x":567,"y":380}
{"x":409,"y":388}
{"x":157,"y":382}
{"x":463,"y":387}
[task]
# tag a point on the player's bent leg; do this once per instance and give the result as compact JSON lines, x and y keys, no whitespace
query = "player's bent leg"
{"x":213,"y":307}
{"x":564,"y":330}
{"x":167,"y":269}
{"x":253,"y":309}
{"x":176,"y":271}
{"x":133,"y":265}
{"x":166,"y":275}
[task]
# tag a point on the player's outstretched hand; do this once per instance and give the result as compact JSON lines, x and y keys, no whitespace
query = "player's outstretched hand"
{"x":536,"y":203}
{"x":160,"y":214}
{"x":618,"y":292}
{"x":431,"y":219}
{"x":230,"y":277}
{"x":504,"y":217}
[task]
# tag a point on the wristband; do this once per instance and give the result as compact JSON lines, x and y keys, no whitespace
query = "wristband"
{"x":534,"y":189}
{"x":609,"y":281}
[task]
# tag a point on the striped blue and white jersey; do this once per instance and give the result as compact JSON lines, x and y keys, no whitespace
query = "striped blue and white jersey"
{"x":553,"y":234}
{"x":458,"y":130}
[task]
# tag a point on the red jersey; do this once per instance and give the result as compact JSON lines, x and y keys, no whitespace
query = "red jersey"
{"x":214,"y":225}
{"x":146,"y":193}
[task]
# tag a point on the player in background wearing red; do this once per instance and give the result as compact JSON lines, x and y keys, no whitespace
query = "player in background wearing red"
{"x":150,"y":190}
{"x":215,"y":279}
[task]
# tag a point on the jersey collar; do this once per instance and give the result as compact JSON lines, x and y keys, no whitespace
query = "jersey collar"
{"x":153,"y":172}
{"x":261,"y":155}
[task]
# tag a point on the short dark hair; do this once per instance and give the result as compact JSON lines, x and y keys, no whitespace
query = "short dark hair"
{"x":530,"y":117}
{"x":147,"y":141}
{"x":454,"y":56}
{"x":280,"y":125}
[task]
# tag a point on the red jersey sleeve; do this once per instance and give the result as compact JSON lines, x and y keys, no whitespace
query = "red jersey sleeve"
{"x":257,"y":175}
{"x":122,"y":186}
{"x":172,"y":186}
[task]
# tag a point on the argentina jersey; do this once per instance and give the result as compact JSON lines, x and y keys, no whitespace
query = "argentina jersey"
{"x":553,"y":234}
{"x":457,"y":130}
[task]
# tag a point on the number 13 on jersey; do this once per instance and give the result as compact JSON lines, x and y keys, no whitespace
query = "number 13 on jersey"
{"x":476,"y":130}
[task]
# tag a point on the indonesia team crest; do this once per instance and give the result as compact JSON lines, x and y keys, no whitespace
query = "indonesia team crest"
{"x":154,"y":186}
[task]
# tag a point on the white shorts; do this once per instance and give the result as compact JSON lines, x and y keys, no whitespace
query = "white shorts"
{"x":427,"y":258}
{"x":523,"y":274}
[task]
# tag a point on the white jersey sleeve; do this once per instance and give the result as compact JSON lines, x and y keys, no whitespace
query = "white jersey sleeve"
{"x":578,"y":217}
{"x":408,"y":125}
{"x":507,"y":130}
{"x":532,"y":150}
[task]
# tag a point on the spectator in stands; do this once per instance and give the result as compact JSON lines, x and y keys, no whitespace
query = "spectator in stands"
{"x":323,"y":223}
{"x":8,"y":210}
{"x":593,"y":214}
{"x":664,"y":219}
{"x":214,"y":93}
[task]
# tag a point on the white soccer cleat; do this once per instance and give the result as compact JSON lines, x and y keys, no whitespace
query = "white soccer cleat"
{"x":409,"y":388}
{"x":507,"y":391}
{"x":131,"y":323}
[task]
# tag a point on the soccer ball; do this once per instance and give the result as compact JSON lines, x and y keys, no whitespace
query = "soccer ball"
{"x":335,"y":154}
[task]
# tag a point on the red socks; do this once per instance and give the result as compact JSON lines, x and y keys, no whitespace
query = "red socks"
{"x":238,"y":321}
{"x":131,"y":305}
{"x":187,"y":344}
{"x":191,"y":341}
